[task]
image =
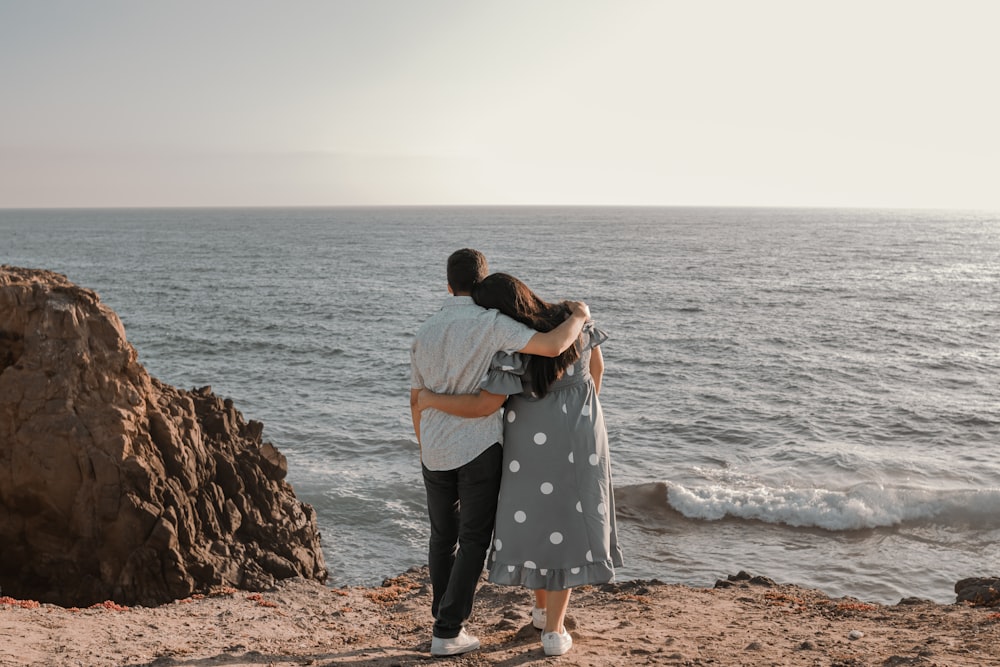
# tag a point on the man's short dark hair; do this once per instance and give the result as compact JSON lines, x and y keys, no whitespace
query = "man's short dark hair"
{"x":466,"y":267}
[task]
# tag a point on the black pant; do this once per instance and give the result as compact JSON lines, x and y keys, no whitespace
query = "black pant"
{"x":462,"y":505}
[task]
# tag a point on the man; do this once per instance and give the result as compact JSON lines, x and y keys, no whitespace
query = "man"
{"x":461,"y":458}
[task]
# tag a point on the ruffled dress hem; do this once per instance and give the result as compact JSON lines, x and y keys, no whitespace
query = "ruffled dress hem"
{"x":553,"y":579}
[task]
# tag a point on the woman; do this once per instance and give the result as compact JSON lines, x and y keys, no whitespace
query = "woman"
{"x":555,"y":526}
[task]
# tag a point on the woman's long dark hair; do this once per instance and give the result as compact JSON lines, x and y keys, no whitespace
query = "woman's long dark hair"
{"x":513,"y":298}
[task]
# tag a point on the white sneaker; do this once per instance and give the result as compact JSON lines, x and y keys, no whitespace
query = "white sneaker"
{"x":463,"y":643}
{"x":556,"y":643}
{"x":538,"y":618}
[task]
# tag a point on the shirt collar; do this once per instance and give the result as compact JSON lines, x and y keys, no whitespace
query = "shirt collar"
{"x":458,"y":301}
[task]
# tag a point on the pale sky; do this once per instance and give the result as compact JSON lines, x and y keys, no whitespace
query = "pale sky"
{"x":393,"y":102}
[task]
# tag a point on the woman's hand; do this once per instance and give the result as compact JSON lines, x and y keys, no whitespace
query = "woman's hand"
{"x":424,"y":399}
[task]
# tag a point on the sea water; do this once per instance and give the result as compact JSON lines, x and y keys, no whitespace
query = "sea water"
{"x":806,"y":394}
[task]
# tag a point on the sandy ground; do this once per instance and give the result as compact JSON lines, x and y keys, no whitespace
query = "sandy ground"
{"x":630,"y":623}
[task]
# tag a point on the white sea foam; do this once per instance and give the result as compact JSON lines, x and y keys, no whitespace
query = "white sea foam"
{"x":854,"y":509}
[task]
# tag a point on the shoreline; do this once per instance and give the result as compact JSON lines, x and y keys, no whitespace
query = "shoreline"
{"x":749,"y":621}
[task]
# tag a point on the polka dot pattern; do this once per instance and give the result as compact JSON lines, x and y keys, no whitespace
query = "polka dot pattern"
{"x":555,"y":502}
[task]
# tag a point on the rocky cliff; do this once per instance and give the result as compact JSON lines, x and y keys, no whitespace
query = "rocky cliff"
{"x":116,"y":486}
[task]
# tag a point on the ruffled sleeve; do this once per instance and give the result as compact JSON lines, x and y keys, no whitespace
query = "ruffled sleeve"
{"x":594,"y":336}
{"x":504,"y":375}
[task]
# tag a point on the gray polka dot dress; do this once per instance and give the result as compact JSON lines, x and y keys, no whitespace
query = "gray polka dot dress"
{"x":555,"y":525}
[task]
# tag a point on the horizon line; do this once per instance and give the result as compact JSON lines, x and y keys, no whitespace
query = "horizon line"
{"x":134,"y":207}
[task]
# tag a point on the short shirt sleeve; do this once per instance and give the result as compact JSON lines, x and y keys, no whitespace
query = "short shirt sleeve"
{"x":511,"y":335}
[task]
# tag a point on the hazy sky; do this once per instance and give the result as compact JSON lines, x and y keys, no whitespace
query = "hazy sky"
{"x":703,"y":102}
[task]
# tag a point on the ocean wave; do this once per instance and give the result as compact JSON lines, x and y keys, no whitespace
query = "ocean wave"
{"x":859,"y":508}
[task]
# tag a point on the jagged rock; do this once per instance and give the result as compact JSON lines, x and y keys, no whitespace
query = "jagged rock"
{"x":746,"y":578}
{"x":116,"y":486}
{"x":979,"y":591}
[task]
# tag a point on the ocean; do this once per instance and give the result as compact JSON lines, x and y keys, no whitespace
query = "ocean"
{"x":806,"y":394}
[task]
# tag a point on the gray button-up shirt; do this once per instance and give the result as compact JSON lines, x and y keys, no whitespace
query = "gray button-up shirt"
{"x":450,"y":355}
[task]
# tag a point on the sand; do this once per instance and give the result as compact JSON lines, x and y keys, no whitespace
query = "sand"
{"x":629,"y":623}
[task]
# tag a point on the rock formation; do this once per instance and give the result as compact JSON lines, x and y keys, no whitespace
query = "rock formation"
{"x":979,"y":591}
{"x":116,"y":486}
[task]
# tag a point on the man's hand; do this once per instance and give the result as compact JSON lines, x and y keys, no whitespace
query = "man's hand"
{"x":552,"y":343}
{"x":579,"y":308}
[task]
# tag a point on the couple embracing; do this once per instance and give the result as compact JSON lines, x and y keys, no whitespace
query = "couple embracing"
{"x":504,"y":403}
